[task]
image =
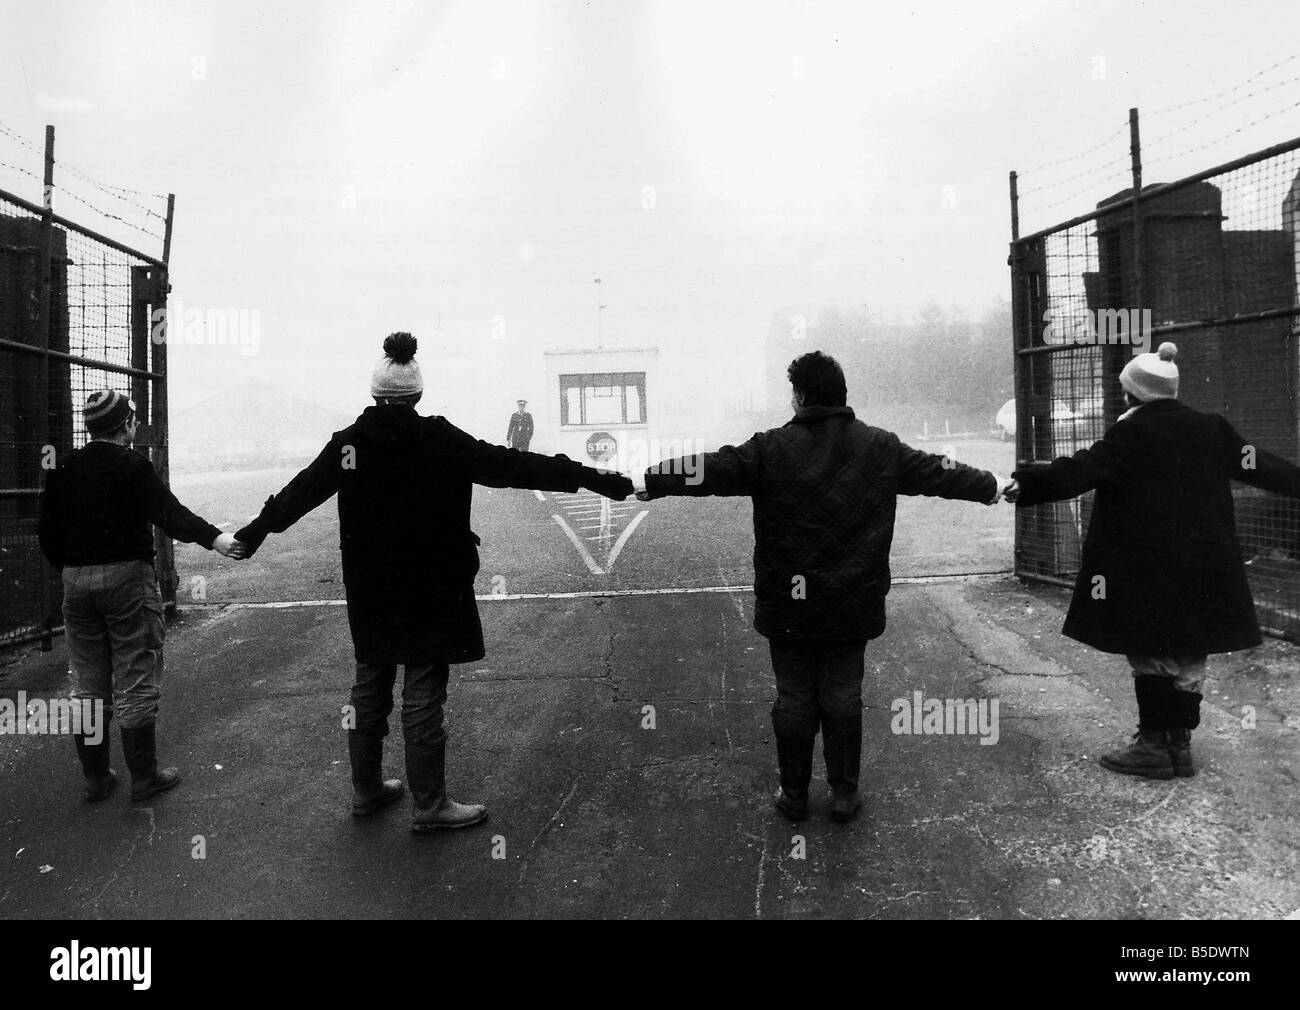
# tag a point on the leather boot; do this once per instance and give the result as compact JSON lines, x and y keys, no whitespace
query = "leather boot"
{"x":370,"y":790}
{"x":1179,"y":747}
{"x":794,"y":758}
{"x":1186,"y":717}
{"x":139,"y":747}
{"x":95,"y":759}
{"x":842,"y":749}
{"x":426,"y":770}
{"x":1147,"y":755}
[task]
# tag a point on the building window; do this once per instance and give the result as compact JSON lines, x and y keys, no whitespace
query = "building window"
{"x":599,"y":398}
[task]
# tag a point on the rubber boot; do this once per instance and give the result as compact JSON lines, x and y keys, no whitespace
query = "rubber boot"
{"x":95,"y":761}
{"x":370,"y":790}
{"x":426,"y":770}
{"x":139,"y":747}
{"x":1148,"y":754}
{"x":842,"y":749}
{"x":794,"y":758}
{"x":1186,"y":717}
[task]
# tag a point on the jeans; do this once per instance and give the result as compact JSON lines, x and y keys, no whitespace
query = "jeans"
{"x":113,"y":623}
{"x":424,"y":693}
{"x":818,"y":684}
{"x":1187,"y":672}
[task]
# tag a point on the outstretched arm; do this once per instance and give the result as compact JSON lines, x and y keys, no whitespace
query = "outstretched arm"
{"x":312,"y":486}
{"x":1258,"y":467}
{"x":924,"y":473}
{"x":497,"y":466}
{"x":731,"y":471}
{"x":1070,"y":476}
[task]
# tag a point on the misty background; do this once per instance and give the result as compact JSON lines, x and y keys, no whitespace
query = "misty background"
{"x":467,"y":171}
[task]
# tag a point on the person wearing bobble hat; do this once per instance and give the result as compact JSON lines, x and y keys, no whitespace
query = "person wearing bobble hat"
{"x":1161,"y":580}
{"x":94,"y":526}
{"x":404,"y":484}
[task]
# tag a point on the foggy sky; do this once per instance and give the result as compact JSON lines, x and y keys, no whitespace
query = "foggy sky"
{"x":465,"y":170}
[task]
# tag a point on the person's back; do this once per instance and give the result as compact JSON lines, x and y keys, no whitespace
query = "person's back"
{"x":825,"y":500}
{"x":95,"y":525}
{"x":1161,"y":579}
{"x":825,"y":489}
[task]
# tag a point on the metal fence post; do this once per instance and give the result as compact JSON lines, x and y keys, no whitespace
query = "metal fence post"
{"x":43,"y":367}
{"x":1135,"y":154}
{"x":162,"y":438}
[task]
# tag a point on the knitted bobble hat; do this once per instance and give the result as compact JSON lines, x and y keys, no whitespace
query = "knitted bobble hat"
{"x":1152,"y":376}
{"x":396,"y":373}
{"x":106,"y":411}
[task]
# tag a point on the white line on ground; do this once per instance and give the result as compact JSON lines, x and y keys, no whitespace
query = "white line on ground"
{"x":592,"y":567}
{"x":586,"y":593}
{"x":540,"y":496}
{"x":622,"y":538}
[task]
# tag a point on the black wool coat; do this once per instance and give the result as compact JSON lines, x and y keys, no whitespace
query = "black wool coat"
{"x":1161,"y":572}
{"x":825,"y":488}
{"x":404,"y":484}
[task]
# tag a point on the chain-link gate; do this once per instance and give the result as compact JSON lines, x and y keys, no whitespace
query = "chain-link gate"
{"x":1211,"y":262}
{"x":76,"y":312}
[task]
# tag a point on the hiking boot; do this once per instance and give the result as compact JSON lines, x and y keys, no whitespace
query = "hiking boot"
{"x":1179,"y":747}
{"x":370,"y":790}
{"x":139,"y":747}
{"x":1146,"y":756}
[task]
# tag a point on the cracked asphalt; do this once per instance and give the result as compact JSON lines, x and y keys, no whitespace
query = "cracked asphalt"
{"x":623,"y":746}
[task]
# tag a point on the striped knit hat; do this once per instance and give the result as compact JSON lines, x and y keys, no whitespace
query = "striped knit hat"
{"x":1152,"y":376}
{"x":106,"y":411}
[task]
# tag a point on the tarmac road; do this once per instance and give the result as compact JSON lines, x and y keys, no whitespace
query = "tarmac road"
{"x":593,"y":813}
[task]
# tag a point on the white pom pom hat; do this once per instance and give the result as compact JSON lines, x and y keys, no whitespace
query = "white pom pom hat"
{"x":1152,"y":376}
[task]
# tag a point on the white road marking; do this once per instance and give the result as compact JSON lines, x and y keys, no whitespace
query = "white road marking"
{"x":592,"y":567}
{"x":540,"y":496}
{"x":588,"y":593}
{"x":622,"y":537}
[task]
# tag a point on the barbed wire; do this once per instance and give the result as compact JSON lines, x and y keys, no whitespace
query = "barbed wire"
{"x":108,"y":189}
{"x":18,"y":138}
{"x":1226,"y":136}
{"x":1076,"y":157}
{"x":1224,"y":94}
{"x":108,"y":214}
{"x":1223,"y":108}
{"x":1091,"y":187}
{"x":1069,"y":179}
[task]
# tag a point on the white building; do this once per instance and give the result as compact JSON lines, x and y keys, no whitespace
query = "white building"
{"x":602,"y":407}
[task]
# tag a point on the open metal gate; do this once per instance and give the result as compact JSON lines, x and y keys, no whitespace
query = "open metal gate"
{"x":76,"y":312}
{"x":1211,"y":262}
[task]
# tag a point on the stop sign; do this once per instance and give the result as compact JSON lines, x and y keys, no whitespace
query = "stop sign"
{"x":601,"y":446}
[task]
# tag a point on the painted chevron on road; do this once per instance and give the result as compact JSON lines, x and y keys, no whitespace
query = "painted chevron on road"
{"x":597,"y":527}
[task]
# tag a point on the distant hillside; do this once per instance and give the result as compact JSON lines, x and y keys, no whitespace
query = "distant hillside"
{"x":250,"y":426}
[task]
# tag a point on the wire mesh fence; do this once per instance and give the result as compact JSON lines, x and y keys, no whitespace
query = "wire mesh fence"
{"x":1210,"y":261}
{"x":76,"y":310}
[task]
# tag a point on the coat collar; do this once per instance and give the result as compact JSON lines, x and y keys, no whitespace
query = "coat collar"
{"x":804,"y":415}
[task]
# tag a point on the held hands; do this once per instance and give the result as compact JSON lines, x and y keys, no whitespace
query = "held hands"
{"x":1008,"y":490}
{"x":229,"y":547}
{"x":612,"y":485}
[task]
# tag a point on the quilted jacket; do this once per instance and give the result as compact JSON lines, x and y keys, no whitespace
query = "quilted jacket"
{"x":825,"y":489}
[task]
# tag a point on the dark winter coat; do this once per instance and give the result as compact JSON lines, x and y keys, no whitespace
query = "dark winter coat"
{"x":1161,"y":571}
{"x":409,"y":556}
{"x":825,"y":490}
{"x":520,"y":430}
